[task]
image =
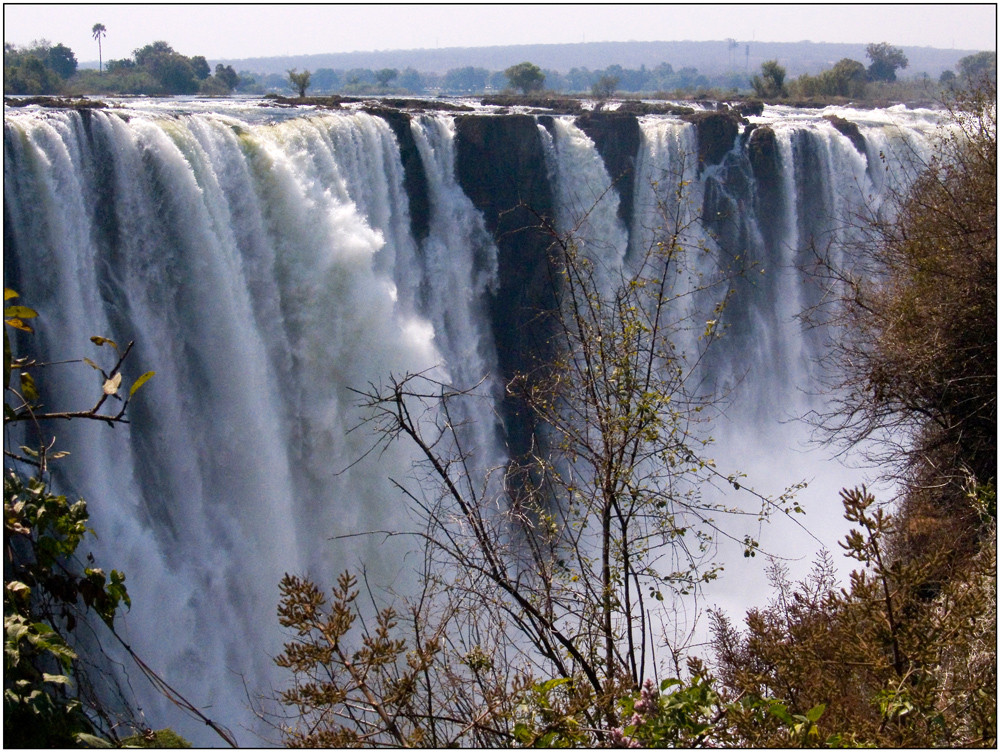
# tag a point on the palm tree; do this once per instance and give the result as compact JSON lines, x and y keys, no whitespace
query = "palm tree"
{"x":98,"y":32}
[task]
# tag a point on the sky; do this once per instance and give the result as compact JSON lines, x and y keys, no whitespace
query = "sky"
{"x":228,"y":31}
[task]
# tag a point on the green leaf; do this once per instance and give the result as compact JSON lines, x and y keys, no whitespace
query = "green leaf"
{"x":99,"y":341}
{"x":18,"y":324}
{"x":7,"y":358}
{"x":28,"y":388}
{"x":814,"y":713}
{"x":56,"y":679}
{"x":90,"y":740}
{"x":140,"y":381}
{"x":20,"y":312}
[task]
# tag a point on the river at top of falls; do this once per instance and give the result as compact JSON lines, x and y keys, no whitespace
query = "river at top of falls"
{"x":263,"y":260}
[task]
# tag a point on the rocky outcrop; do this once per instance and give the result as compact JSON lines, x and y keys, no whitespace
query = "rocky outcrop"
{"x":717,"y":132}
{"x":65,"y":103}
{"x":414,"y":177}
{"x":616,"y":135}
{"x":500,"y":165}
{"x":561,"y":105}
{"x":851,"y":130}
{"x":636,"y":107}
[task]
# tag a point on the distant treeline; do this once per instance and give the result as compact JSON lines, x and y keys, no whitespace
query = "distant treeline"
{"x":475,"y":80}
{"x":158,"y":69}
{"x":44,"y":68}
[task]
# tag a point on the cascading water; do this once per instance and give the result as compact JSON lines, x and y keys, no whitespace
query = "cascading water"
{"x":265,"y":264}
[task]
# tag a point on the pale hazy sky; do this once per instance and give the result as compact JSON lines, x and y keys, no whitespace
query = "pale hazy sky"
{"x":237,"y":30}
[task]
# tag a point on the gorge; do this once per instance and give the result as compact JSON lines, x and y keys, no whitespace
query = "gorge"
{"x":267,"y":261}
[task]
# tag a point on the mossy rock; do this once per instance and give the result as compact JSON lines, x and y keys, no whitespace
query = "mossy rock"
{"x":162,"y":739}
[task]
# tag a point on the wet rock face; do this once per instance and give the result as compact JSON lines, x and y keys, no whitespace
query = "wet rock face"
{"x":617,"y":136}
{"x":717,"y":132}
{"x":765,"y":157}
{"x":414,"y":177}
{"x":765,"y":161}
{"x":500,"y":165}
{"x":851,"y":130}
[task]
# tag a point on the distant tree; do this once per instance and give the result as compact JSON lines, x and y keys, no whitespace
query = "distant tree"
{"x":465,"y":80}
{"x":885,"y":60}
{"x":847,"y":78}
{"x":689,"y":78}
{"x":975,"y":68}
{"x":121,"y":65}
{"x":412,"y":81}
{"x":385,"y":75}
{"x":98,"y":30}
{"x":200,"y":67}
{"x":227,"y":75}
{"x":358,"y":80}
{"x":61,"y":60}
{"x":325,"y":80}
{"x":145,"y":55}
{"x":174,"y":71}
{"x":579,"y":79}
{"x":605,"y":86}
{"x":771,"y":81}
{"x":947,"y":79}
{"x":299,"y":81}
{"x":527,"y":77}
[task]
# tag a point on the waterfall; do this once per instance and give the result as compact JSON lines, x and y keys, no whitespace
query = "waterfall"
{"x":266,"y":264}
{"x":586,"y":206}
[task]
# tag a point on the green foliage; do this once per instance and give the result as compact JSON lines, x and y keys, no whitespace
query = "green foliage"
{"x":605,"y":86}
{"x":886,"y":60}
{"x":226,"y":75}
{"x":467,"y":80}
{"x":48,"y":590}
{"x":299,"y":81}
{"x":385,"y":75}
{"x":679,"y":714}
{"x":527,"y":77}
{"x":200,"y":67}
{"x":42,"y":531}
{"x":847,"y":78}
{"x":979,"y":69}
{"x":175,"y":73}
{"x":153,"y":69}
{"x":770,"y":83}
{"x":39,"y":69}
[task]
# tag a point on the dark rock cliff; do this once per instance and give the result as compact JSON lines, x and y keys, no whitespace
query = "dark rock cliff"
{"x":717,"y":132}
{"x":500,"y":165}
{"x":617,"y":136}
{"x":414,"y":177}
{"x":765,"y":161}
